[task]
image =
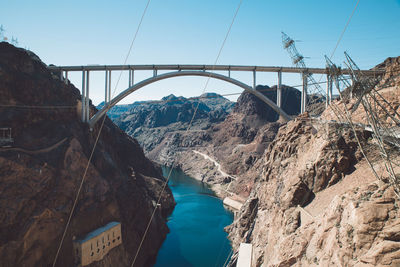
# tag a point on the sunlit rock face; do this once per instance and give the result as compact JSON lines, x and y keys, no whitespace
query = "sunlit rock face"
{"x":315,"y":200}
{"x":40,"y":174}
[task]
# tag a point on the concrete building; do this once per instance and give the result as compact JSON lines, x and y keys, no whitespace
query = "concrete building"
{"x":5,"y":137}
{"x":96,"y":244}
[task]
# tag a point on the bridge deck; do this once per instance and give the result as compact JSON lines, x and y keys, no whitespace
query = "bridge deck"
{"x":207,"y":68}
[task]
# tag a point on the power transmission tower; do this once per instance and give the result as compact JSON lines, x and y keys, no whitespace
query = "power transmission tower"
{"x":377,"y":112}
{"x":312,"y":94}
{"x":14,"y":41}
{"x":2,"y":30}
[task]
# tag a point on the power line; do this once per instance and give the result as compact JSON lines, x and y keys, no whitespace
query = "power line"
{"x":95,"y":144}
{"x":191,"y":121}
{"x":344,"y":30}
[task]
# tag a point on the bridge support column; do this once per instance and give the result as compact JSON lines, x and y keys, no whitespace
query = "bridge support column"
{"x":83,"y":104}
{"x":279,"y":90}
{"x":351,"y":88}
{"x":254,"y":79}
{"x":66,"y":77}
{"x":328,"y":90}
{"x":109,"y":86}
{"x":154,"y":72}
{"x":131,"y":78}
{"x":304,"y":93}
{"x":106,"y":89}
{"x":87,"y":113}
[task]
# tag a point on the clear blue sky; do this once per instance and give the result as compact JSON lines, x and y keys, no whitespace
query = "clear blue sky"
{"x":191,"y":32}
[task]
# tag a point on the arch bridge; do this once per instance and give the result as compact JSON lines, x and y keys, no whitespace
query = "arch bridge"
{"x":192,"y":70}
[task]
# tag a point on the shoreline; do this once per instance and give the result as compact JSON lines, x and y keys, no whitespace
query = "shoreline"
{"x":229,"y":200}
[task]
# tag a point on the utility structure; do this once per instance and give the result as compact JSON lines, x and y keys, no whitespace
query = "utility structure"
{"x":377,"y":113}
{"x":171,"y":71}
{"x":310,"y":86}
{"x":2,"y":33}
{"x":14,"y":41}
{"x":5,"y":136}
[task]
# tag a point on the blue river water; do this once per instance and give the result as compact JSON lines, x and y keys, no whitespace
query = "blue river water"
{"x":197,"y":237}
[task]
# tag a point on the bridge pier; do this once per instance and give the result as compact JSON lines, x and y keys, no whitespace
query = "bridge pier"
{"x":304,"y":93}
{"x":83,"y":101}
{"x":85,"y":96}
{"x":328,"y":90}
{"x":279,"y":90}
{"x":131,"y":78}
{"x":107,"y":87}
{"x":254,"y":79}
{"x":62,"y":78}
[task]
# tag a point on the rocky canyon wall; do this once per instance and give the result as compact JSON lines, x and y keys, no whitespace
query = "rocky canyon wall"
{"x":41,"y":171}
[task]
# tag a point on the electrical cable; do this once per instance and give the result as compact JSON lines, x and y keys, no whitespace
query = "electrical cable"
{"x":95,"y":144}
{"x":191,"y":121}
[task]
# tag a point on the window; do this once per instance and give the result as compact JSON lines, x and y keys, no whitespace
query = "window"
{"x":113,"y":240}
{"x":97,"y":243}
{"x":108,"y":243}
{"x":108,"y":236}
{"x":91,"y":246}
{"x":98,"y":250}
{"x":102,"y":239}
{"x":119,"y":238}
{"x":91,"y":254}
{"x":104,"y":246}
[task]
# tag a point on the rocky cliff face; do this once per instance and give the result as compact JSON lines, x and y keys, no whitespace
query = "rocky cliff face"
{"x":223,"y":154}
{"x":310,"y":198}
{"x":41,"y":172}
{"x":315,"y":200}
{"x":150,"y":121}
{"x":392,"y":72}
{"x":248,"y":104}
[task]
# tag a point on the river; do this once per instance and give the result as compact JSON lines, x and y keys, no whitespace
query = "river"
{"x":197,"y":236}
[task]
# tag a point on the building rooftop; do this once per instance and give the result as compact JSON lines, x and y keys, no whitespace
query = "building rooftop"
{"x":97,"y":232}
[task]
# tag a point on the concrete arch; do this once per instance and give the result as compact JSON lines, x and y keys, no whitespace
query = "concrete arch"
{"x":164,"y":76}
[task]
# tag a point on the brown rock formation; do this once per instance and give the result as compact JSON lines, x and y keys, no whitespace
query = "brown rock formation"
{"x":317,"y":202}
{"x":230,"y":148}
{"x":39,"y":181}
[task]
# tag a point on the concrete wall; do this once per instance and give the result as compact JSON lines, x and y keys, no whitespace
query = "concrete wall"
{"x":95,"y":248}
{"x":245,"y":255}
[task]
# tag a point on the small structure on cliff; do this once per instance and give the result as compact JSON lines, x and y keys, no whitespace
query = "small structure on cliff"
{"x":96,"y":244}
{"x":245,"y":255}
{"x":5,"y":137}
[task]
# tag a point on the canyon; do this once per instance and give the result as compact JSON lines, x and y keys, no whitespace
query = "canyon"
{"x":42,"y":169}
{"x":307,"y":193}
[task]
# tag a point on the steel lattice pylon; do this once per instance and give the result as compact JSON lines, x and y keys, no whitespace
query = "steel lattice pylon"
{"x":385,"y":135}
{"x":312,"y":91}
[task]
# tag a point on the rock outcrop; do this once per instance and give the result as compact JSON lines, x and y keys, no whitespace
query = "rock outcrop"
{"x":391,"y":77}
{"x":317,"y":203}
{"x":315,"y":200}
{"x":42,"y":170}
{"x":150,"y":121}
{"x":309,"y":196}
{"x":248,"y":104}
